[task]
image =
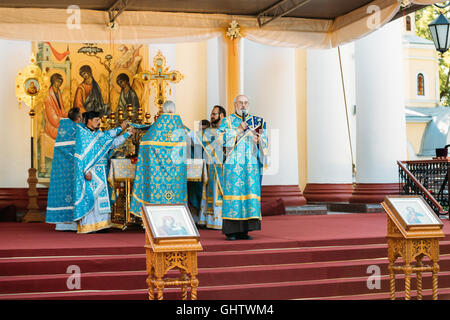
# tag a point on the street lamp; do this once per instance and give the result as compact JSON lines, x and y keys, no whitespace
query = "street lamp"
{"x":440,"y":33}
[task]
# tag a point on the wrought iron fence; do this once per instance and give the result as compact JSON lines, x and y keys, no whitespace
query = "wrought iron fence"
{"x":428,"y":178}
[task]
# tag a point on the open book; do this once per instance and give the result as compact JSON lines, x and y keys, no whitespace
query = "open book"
{"x":255,"y":123}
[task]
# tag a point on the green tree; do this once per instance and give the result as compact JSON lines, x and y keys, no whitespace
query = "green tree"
{"x":423,"y":18}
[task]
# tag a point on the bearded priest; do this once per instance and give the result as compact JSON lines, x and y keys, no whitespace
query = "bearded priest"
{"x":245,"y":139}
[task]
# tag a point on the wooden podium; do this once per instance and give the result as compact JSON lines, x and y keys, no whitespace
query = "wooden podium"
{"x":413,"y":232}
{"x":171,"y":242}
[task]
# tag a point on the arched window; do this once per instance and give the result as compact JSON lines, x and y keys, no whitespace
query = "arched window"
{"x":408,"y":23}
{"x":420,"y":85}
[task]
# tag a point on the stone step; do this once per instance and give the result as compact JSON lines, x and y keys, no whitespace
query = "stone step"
{"x":307,"y":210}
{"x":338,"y":288}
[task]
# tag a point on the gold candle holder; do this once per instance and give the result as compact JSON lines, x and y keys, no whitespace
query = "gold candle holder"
{"x":130,"y":111}
{"x":104,"y":123}
{"x":112,"y":117}
{"x":147,"y":118}
{"x":121,"y":116}
{"x":140,"y":116}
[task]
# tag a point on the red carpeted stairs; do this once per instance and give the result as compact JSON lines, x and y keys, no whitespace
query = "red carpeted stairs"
{"x":269,"y":267}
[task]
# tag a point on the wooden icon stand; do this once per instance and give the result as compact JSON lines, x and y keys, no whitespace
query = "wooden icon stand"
{"x":164,"y":254}
{"x":412,"y":239}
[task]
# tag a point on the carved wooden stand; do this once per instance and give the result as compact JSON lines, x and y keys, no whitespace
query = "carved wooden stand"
{"x":412,"y":242}
{"x":412,"y":250}
{"x":164,"y":254}
{"x":160,"y":263}
{"x":33,"y":213}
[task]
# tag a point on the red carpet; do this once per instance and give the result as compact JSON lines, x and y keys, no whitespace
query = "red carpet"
{"x":292,"y":257}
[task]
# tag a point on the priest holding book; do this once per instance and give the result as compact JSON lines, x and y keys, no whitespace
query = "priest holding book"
{"x":245,"y":139}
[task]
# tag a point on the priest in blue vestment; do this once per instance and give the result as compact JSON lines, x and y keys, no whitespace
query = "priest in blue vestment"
{"x":60,"y":192}
{"x":161,"y":168}
{"x":197,"y":142}
{"x":211,"y":206}
{"x":93,"y":149}
{"x":245,"y":139}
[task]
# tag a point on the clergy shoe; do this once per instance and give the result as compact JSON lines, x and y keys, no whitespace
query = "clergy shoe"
{"x":231,"y":237}
{"x":244,"y":236}
{"x":102,"y":231}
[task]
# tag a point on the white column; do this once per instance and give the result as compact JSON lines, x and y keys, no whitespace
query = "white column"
{"x":14,"y":122}
{"x":329,"y":156}
{"x":269,"y":82}
{"x":216,"y":74}
{"x":380,"y":118}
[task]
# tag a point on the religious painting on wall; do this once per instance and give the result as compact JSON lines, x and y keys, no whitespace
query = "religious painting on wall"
{"x":98,"y":77}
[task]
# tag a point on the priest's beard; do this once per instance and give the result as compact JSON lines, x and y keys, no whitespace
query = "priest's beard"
{"x":239,"y":111}
{"x":215,"y":123}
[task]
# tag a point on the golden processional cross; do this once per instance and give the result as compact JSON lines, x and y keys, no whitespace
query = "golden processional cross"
{"x":160,"y":76}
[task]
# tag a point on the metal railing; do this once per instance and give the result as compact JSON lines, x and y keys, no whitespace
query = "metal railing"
{"x":428,"y":178}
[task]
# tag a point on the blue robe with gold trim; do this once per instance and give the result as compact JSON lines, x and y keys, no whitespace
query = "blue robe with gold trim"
{"x":212,"y":197}
{"x":195,"y":151}
{"x":243,"y":168}
{"x":60,"y":204}
{"x":92,"y":198}
{"x":161,"y":168}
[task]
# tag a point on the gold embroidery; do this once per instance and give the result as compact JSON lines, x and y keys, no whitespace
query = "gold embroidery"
{"x":169,"y":195}
{"x":257,"y":217}
{"x":169,"y":135}
{"x":246,"y":197}
{"x":94,"y":226}
{"x":162,"y":143}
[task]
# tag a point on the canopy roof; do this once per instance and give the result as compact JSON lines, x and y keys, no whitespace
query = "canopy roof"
{"x":317,"y":9}
{"x":293,"y":23}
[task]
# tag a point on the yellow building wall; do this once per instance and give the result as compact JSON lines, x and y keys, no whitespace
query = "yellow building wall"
{"x":423,"y":61}
{"x":420,"y":61}
{"x":419,"y":58}
{"x":414,"y":133}
{"x":191,"y":91}
{"x":300,"y":80}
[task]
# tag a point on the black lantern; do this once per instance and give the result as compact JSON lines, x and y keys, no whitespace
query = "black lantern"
{"x":440,"y":32}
